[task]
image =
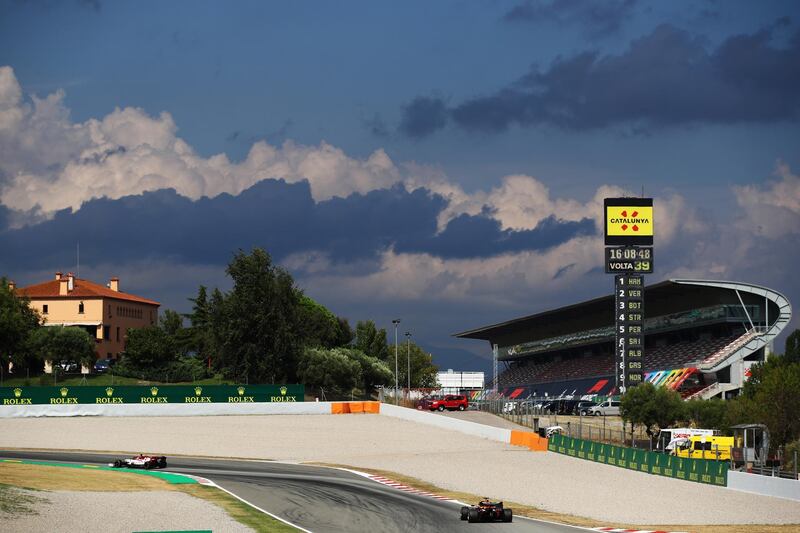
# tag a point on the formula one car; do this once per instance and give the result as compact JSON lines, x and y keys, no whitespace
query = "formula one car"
{"x":147,"y":462}
{"x":486,"y":511}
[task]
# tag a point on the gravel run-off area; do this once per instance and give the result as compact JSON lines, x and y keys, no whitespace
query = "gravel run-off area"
{"x":123,"y":512}
{"x":448,"y":459}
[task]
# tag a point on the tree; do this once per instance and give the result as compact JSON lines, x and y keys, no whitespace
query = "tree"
{"x":198,"y":337}
{"x":374,"y":372}
{"x":423,"y":371}
{"x":149,"y":347}
{"x":651,"y":407}
{"x":320,"y":327}
{"x":260,"y":333}
{"x":330,"y":370}
{"x":371,"y":340}
{"x":774,"y":399}
{"x":17,"y":321}
{"x":58,"y":343}
{"x":709,"y":414}
{"x":346,"y":334}
{"x":792,"y":353}
{"x":171,"y":322}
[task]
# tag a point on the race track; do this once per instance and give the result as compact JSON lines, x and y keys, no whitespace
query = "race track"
{"x":318,"y":499}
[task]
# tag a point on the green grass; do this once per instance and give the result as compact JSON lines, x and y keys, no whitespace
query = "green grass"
{"x":101,"y":380}
{"x":15,"y":502}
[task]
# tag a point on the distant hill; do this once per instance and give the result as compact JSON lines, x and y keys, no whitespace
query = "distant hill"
{"x":461,"y":360}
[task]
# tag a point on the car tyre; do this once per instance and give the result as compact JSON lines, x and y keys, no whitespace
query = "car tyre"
{"x":464,"y":513}
{"x":117,"y":463}
{"x":508,"y":515}
{"x":162,"y":462}
{"x":441,"y":408}
{"x":597,"y":413}
{"x":460,"y":407}
{"x":472,"y":516}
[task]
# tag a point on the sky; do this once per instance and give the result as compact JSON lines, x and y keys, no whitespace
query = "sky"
{"x":443,"y":162}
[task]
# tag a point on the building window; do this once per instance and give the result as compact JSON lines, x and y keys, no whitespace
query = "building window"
{"x":106,"y":333}
{"x":80,"y":308}
{"x":117,"y":333}
{"x":109,"y":311}
{"x":44,"y":309}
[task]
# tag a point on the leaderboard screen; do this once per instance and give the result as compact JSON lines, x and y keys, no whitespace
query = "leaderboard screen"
{"x":629,"y":323}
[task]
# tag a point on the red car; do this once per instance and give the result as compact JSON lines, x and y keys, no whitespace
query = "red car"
{"x":147,"y":462}
{"x":451,"y":402}
{"x":486,"y":511}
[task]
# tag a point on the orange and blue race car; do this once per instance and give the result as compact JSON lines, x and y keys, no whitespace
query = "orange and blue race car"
{"x":486,"y":511}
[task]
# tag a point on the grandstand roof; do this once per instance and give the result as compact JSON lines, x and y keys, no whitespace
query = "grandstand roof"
{"x":669,"y":296}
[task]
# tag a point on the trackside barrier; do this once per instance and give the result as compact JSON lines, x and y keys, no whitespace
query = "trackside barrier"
{"x":532,"y":441}
{"x":697,"y":470}
{"x":342,"y":408}
{"x":156,"y":394}
{"x":168,"y":409}
{"x":507,"y":436}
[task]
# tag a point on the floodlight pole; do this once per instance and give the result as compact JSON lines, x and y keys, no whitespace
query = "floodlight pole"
{"x":408,"y":360}
{"x":396,"y":321}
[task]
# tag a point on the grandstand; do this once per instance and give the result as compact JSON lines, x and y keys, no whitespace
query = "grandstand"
{"x":701,"y":337}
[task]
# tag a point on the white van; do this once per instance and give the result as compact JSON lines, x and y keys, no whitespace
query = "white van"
{"x":608,"y":407}
{"x":668,"y":437}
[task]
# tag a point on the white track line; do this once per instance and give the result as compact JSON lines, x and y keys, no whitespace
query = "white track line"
{"x":210,"y":483}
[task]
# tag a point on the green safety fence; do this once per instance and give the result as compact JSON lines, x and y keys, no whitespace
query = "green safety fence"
{"x":85,"y":394}
{"x":697,"y":470}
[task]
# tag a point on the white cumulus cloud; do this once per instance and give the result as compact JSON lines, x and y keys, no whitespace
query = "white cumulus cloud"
{"x":53,"y":163}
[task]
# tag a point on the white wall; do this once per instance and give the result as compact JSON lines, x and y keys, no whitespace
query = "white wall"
{"x":168,"y":409}
{"x":445,"y":422}
{"x":770,"y":486}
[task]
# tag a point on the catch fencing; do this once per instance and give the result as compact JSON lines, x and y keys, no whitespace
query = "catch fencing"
{"x":534,"y":415}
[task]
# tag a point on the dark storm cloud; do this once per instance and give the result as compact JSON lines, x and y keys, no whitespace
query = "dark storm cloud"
{"x":4,"y":216}
{"x":663,"y":79}
{"x":278,"y":216}
{"x":423,"y":116}
{"x":595,"y":18}
{"x":469,"y":236}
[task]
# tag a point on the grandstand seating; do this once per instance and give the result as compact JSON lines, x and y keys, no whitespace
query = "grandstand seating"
{"x":671,"y":356}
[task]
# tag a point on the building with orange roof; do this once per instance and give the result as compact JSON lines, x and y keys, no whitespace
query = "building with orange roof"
{"x":103,"y":310}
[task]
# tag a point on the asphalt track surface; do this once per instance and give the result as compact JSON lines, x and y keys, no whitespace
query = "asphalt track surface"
{"x":318,"y":499}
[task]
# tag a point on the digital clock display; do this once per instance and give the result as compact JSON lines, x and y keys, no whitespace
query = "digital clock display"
{"x":629,"y":259}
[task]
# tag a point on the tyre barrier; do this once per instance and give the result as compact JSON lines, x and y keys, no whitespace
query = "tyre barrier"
{"x":698,"y":470}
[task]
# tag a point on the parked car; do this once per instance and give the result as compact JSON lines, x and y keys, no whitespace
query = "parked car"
{"x":582,"y":408}
{"x":608,"y":407}
{"x":553,"y":430}
{"x":69,"y":366}
{"x":103,"y":365}
{"x":451,"y":402}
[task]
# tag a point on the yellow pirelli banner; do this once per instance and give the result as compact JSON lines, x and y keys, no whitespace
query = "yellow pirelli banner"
{"x":628,"y":221}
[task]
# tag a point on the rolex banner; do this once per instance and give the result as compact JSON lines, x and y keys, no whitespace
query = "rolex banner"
{"x":115,"y":394}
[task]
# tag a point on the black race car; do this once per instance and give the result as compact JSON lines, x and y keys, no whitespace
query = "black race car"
{"x":141,"y":461}
{"x":486,"y":511}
